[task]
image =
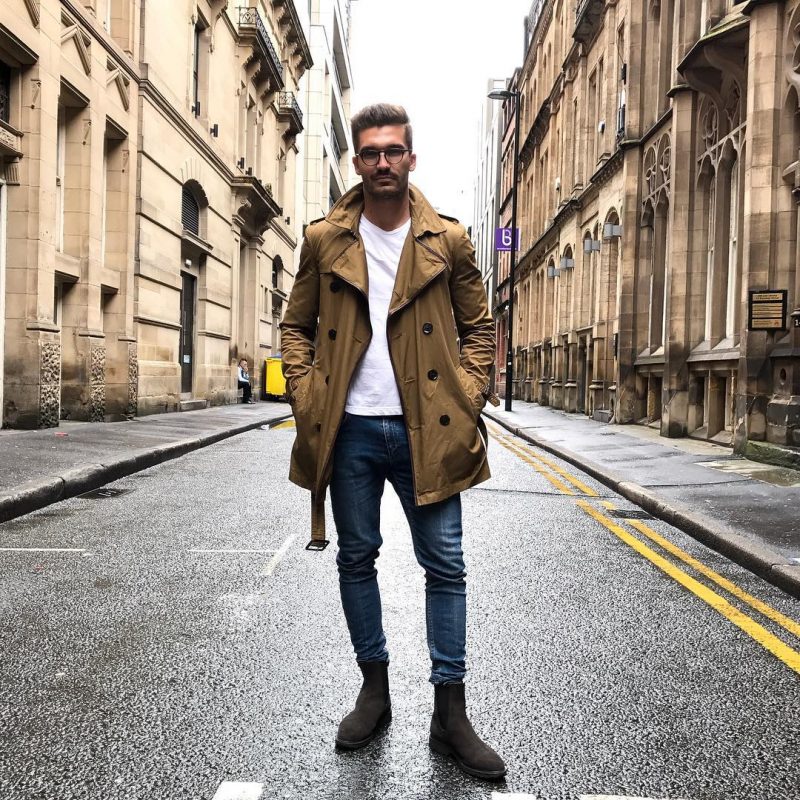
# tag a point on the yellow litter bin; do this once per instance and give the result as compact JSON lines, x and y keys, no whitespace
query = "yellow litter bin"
{"x":275,"y":382}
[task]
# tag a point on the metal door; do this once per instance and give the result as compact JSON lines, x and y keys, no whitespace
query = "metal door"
{"x":187,"y":332}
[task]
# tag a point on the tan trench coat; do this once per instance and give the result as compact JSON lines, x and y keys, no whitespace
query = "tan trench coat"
{"x":441,"y":343}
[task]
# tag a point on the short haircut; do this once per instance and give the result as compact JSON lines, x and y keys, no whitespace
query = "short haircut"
{"x":378,"y":115}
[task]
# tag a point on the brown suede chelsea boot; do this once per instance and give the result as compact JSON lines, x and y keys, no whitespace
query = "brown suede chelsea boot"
{"x":373,"y":708}
{"x":452,"y":734}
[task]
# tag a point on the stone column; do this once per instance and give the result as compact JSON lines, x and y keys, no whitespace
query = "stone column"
{"x":674,"y":419}
{"x":761,"y":183}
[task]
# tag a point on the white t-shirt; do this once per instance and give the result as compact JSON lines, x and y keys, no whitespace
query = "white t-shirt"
{"x":373,"y":390}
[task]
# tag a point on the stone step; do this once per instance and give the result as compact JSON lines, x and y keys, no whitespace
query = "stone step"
{"x":193,"y":405}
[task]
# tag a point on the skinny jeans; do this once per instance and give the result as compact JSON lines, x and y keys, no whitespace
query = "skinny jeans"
{"x":368,"y":452}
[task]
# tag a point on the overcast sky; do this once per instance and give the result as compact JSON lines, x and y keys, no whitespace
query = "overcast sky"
{"x":435,"y":57}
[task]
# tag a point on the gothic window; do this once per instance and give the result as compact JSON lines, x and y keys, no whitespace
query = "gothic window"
{"x":711,"y":240}
{"x":721,"y":136}
{"x":655,"y":239}
{"x":731,"y":315}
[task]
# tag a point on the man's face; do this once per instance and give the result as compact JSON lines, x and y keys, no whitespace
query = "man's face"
{"x":384,"y":181}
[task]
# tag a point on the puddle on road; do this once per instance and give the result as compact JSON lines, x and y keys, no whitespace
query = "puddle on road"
{"x":767,"y":473}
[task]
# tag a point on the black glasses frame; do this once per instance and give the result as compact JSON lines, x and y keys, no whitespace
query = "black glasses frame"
{"x":375,"y":155}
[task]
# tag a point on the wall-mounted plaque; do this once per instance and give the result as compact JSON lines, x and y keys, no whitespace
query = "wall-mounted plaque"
{"x":767,"y":310}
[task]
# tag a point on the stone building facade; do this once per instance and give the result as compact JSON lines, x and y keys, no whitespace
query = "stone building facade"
{"x":147,"y":225}
{"x":486,"y":189}
{"x":327,"y":141}
{"x":659,"y":197}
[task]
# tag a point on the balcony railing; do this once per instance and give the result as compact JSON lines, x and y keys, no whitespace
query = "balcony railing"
{"x":250,"y":19}
{"x":588,"y":16}
{"x":289,"y":111}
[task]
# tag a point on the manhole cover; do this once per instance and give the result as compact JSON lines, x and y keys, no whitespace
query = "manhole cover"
{"x":97,"y":494}
{"x":629,"y":513}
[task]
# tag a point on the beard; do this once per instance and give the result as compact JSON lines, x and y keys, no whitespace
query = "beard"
{"x":378,"y":189}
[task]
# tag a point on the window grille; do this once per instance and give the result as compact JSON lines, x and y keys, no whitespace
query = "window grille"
{"x":190,"y":212}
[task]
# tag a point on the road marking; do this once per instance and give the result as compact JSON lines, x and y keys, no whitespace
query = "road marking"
{"x":289,"y":423}
{"x":504,"y":796}
{"x":616,"y":797}
{"x":42,"y":550}
{"x":527,"y":454}
{"x":768,"y":611}
{"x":558,"y":470}
{"x":231,"y":551}
{"x":766,"y":639}
{"x":234,"y":790}
{"x":541,"y":470}
{"x":268,"y":570}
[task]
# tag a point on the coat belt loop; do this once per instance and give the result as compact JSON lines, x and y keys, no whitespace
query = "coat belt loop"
{"x":318,"y":540}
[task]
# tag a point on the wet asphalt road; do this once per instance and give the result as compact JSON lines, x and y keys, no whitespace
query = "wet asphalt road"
{"x":141,"y":666}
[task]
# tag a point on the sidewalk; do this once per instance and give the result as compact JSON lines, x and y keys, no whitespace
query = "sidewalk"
{"x":41,"y":467}
{"x":748,"y":511}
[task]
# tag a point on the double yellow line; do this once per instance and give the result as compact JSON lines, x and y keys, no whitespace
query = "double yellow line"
{"x":568,"y":484}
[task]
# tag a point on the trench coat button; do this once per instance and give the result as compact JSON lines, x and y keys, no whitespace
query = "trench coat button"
{"x":331,"y":334}
{"x":444,"y":420}
{"x":336,"y":286}
{"x":433,"y":375}
{"x":427,"y":328}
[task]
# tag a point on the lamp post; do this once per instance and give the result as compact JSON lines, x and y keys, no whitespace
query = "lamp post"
{"x":508,"y":94}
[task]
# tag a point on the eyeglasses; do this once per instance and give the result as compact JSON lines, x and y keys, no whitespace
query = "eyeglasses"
{"x":393,"y":155}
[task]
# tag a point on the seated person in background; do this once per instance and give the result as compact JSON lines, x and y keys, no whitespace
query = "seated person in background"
{"x":244,"y":382}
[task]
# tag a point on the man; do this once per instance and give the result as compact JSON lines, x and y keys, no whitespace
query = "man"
{"x":384,"y":386}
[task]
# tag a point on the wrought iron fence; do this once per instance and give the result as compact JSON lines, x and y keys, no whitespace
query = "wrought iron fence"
{"x":287,"y":100}
{"x":250,"y":16}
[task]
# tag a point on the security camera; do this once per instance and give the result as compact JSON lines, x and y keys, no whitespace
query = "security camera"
{"x":601,"y":126}
{"x":558,"y":184}
{"x":188,"y":262}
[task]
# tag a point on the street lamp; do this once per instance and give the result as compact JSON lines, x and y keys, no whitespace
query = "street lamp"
{"x":508,"y":94}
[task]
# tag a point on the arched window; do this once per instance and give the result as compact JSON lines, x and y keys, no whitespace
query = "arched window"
{"x":193,"y":205}
{"x":731,"y":311}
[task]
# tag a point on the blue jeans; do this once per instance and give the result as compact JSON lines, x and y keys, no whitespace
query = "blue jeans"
{"x":368,"y":452}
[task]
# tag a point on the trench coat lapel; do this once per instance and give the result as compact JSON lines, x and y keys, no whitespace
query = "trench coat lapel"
{"x":420,"y":261}
{"x":417,"y":268}
{"x":351,"y":264}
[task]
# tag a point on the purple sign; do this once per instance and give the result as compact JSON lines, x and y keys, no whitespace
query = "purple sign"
{"x":503,"y":240}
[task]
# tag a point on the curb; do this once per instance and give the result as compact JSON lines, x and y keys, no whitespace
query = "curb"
{"x":40,"y":492}
{"x":757,"y":558}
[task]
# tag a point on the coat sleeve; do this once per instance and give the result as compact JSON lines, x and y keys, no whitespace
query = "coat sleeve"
{"x":299,"y":326}
{"x":471,"y":310}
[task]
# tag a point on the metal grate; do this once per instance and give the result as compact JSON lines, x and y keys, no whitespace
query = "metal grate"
{"x":190,"y":212}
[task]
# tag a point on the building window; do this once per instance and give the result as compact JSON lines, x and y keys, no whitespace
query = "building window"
{"x":61,"y":146}
{"x":277,"y":269}
{"x":190,"y":211}
{"x":731,"y":316}
{"x":199,"y":66}
{"x":5,"y":92}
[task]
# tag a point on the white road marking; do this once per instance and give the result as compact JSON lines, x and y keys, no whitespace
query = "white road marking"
{"x":616,"y":797}
{"x":42,"y":550}
{"x":234,"y":790}
{"x":268,"y":570}
{"x":231,"y":551}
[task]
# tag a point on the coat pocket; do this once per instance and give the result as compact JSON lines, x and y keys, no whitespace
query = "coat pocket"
{"x":471,"y":390}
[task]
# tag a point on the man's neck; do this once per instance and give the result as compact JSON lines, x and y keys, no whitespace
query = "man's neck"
{"x":388,"y":215}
